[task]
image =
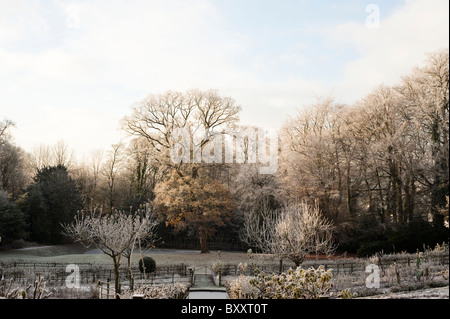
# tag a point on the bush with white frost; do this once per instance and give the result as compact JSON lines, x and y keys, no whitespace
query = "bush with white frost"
{"x":171,"y":291}
{"x":240,"y":288}
{"x":293,"y":284}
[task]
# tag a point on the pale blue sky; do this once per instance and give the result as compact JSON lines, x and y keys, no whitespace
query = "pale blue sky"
{"x":70,"y":70}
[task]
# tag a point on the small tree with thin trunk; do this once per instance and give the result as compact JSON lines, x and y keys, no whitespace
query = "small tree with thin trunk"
{"x":112,"y":233}
{"x":292,"y":232}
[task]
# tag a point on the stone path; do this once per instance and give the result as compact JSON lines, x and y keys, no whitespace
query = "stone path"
{"x":203,"y":281}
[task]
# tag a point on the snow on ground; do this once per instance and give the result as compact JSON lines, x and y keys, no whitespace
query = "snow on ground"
{"x":431,"y":293}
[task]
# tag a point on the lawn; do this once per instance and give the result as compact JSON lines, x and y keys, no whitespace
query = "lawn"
{"x":74,"y":253}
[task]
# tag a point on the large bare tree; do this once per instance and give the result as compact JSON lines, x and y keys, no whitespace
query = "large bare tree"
{"x":202,"y":113}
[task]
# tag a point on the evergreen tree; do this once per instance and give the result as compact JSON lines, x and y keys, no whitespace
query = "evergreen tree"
{"x":51,"y":200}
{"x":12,"y":221}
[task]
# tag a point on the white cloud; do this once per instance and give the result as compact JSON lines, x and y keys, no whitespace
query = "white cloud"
{"x":392,"y":50}
{"x":71,"y":70}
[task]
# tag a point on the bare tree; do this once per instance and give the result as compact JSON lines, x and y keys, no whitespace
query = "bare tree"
{"x":61,"y":154}
{"x":96,"y":162}
{"x":110,"y":171}
{"x":292,"y":232}
{"x":201,"y":112}
{"x":113,"y":234}
{"x":41,"y":156}
{"x":13,"y":171}
{"x":143,"y":171}
{"x":5,"y":125}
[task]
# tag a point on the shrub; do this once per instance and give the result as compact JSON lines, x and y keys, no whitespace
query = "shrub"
{"x":293,"y":284}
{"x":240,"y":288}
{"x":171,"y":291}
{"x":148,"y":263}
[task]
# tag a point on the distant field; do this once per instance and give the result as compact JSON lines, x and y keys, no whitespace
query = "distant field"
{"x":78,"y":254}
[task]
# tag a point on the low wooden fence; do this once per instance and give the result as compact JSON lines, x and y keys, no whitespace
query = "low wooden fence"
{"x":89,"y":273}
{"x":342,"y":266}
{"x":102,"y":274}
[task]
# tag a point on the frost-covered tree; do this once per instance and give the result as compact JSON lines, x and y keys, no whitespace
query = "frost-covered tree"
{"x":292,"y":232}
{"x":203,"y":113}
{"x":113,"y":233}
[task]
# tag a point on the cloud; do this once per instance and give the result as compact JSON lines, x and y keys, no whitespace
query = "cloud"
{"x":386,"y":53}
{"x":83,"y":129}
{"x":71,"y":70}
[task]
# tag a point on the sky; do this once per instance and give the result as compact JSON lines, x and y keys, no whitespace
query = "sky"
{"x":71,"y":70}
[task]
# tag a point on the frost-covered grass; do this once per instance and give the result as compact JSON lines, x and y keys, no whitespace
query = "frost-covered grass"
{"x":399,"y":272}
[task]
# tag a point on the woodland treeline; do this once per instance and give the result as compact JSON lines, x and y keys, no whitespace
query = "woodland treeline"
{"x":378,"y":169}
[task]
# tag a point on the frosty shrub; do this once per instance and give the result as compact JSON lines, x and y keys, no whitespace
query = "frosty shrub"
{"x":240,"y":288}
{"x":347,"y":294}
{"x":171,"y":291}
{"x":37,"y":290}
{"x":293,"y":284}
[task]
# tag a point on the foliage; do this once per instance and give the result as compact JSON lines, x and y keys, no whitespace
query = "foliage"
{"x":13,"y":168}
{"x":384,"y":158}
{"x":293,"y":284}
{"x":407,"y":237}
{"x":12,"y":220}
{"x":197,"y":204}
{"x":240,"y":288}
{"x":172,"y":291}
{"x":347,"y":294}
{"x":52,"y":200}
{"x":147,"y":265}
{"x":378,"y":169}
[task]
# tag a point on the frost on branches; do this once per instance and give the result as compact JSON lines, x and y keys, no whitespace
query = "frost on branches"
{"x":173,"y":291}
{"x":292,"y":284}
{"x":292,"y":232}
{"x":115,"y":234}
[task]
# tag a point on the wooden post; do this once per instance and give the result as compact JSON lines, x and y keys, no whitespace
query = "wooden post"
{"x":99,"y":288}
{"x":107,"y":289}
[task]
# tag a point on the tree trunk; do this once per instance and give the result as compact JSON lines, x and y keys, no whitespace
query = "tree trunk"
{"x":130,"y":273}
{"x":349,"y":193}
{"x":203,"y":243}
{"x":116,"y":260}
